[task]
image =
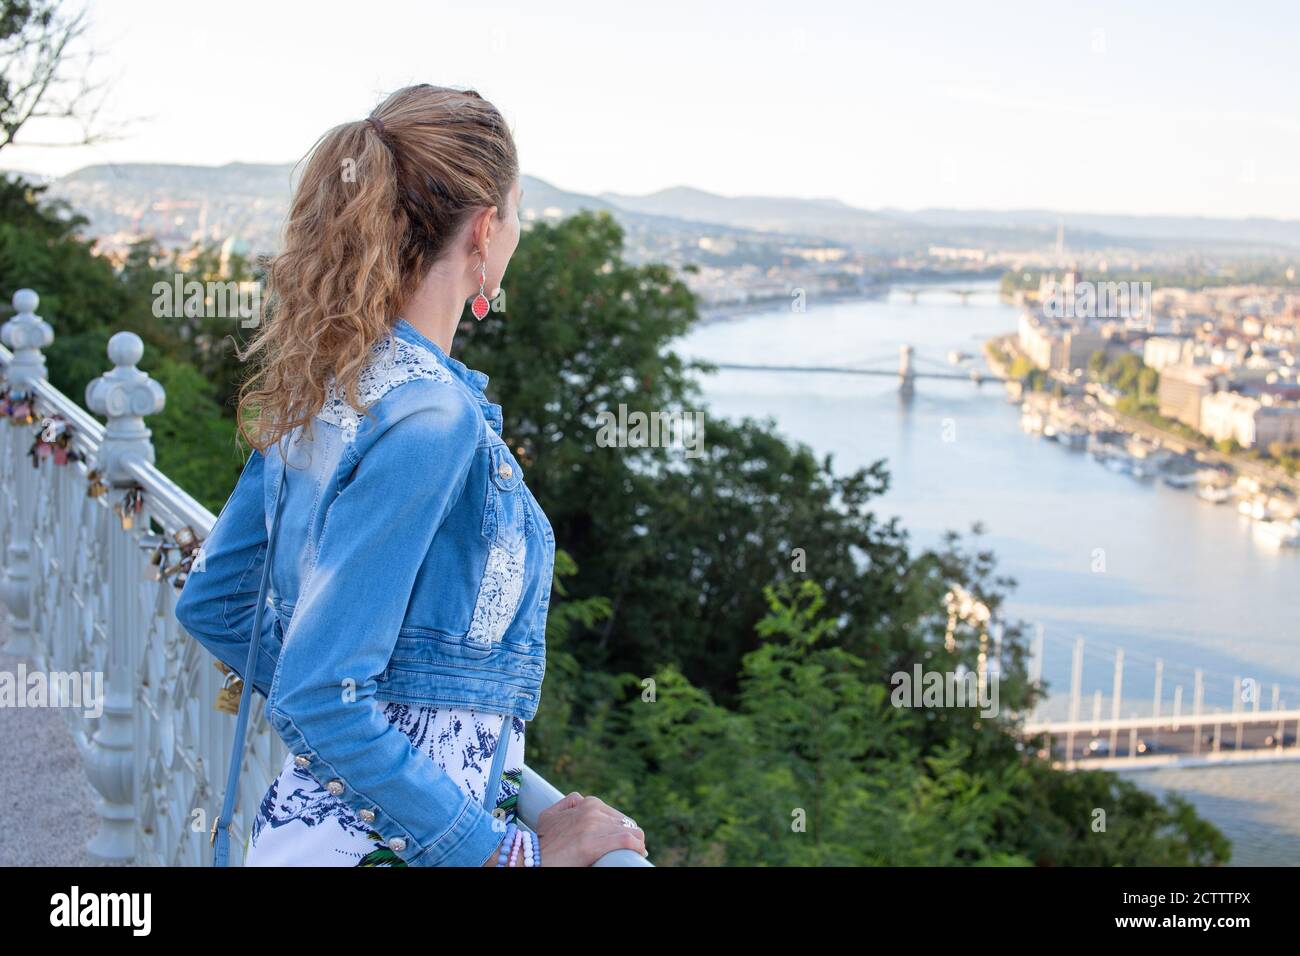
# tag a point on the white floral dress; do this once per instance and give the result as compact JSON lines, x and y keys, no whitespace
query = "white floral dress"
{"x":299,"y":823}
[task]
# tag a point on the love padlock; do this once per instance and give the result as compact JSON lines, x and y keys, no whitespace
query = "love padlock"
{"x":228,"y":696}
{"x":96,"y":487}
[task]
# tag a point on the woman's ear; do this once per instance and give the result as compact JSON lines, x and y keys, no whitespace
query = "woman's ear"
{"x":484,"y":226}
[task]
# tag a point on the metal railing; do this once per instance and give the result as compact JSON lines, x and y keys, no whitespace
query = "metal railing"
{"x":86,"y":596}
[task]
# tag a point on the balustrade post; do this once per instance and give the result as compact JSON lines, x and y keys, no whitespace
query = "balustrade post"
{"x":25,"y":334}
{"x":124,"y":396}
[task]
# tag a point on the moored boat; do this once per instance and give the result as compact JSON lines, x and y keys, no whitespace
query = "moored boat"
{"x":1074,"y":437}
{"x":1256,"y":507}
{"x":1119,"y":463}
{"x":1213,"y":493}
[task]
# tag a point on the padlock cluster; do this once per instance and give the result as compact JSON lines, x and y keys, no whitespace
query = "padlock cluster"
{"x":163,"y":564}
{"x":54,"y":441}
{"x":17,"y":406}
{"x":130,"y":506}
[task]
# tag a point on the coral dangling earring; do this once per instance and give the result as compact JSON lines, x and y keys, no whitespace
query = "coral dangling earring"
{"x":480,"y":305}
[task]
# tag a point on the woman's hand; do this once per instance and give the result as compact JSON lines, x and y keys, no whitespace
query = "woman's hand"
{"x":578,"y":831}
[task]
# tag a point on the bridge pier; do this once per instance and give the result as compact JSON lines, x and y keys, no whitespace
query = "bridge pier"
{"x":906,"y":374}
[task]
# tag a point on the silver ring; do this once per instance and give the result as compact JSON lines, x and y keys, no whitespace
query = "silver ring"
{"x":629,"y":822}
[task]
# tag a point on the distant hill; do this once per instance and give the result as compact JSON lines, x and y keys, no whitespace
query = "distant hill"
{"x":260,"y":178}
{"x":1011,"y":228}
{"x":767,"y":213}
{"x":1285,"y":232}
{"x":177,"y":203}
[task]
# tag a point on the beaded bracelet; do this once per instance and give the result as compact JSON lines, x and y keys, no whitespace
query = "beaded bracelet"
{"x":506,"y":843}
{"x":519,"y":842}
{"x":516,"y":847}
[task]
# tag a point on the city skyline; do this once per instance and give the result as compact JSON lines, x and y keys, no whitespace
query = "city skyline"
{"x":1097,"y":111}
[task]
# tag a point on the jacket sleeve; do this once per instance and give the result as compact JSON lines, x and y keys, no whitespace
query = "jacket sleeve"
{"x":217,"y":604}
{"x":375,"y":536}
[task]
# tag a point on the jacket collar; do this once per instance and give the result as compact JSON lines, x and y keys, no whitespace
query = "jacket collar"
{"x":472,"y":379}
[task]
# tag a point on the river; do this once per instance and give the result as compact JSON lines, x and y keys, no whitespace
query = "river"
{"x":1121,"y":562}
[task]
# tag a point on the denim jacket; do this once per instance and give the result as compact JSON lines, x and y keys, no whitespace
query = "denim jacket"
{"x":412,"y":564}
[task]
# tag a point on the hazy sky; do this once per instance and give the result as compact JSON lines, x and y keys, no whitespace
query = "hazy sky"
{"x":1133,"y":107}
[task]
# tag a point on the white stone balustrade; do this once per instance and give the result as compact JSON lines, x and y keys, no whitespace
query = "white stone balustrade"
{"x":83,"y":596}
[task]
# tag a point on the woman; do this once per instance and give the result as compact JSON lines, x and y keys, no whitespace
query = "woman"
{"x":412,"y":569}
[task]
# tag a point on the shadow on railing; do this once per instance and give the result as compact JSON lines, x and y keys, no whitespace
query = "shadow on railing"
{"x":96,"y":543}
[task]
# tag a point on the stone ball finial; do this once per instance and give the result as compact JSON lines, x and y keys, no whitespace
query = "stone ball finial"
{"x":124,"y":395}
{"x":26,"y":333}
{"x":26,"y":301}
{"x":125,"y":348}
{"x":125,"y":392}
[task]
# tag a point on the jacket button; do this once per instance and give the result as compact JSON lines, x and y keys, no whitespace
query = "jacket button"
{"x":505,"y":471}
{"x":302,"y":760}
{"x":397,"y":844}
{"x":367,"y":816}
{"x":335,"y":787}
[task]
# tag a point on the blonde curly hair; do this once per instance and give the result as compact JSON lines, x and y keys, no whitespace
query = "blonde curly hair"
{"x":378,"y":201}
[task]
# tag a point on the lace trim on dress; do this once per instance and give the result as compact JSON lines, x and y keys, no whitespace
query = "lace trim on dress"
{"x":393,"y":361}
